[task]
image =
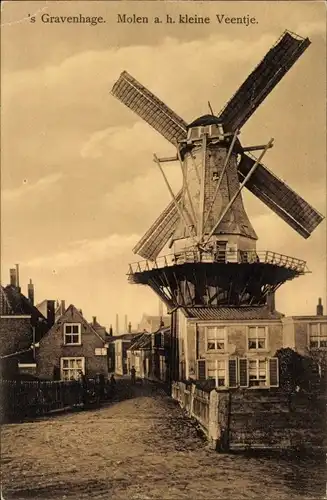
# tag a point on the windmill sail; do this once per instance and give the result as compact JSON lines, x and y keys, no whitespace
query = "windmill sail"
{"x":146,"y":105}
{"x":151,"y":244}
{"x":280,"y":198}
{"x":262,"y":80}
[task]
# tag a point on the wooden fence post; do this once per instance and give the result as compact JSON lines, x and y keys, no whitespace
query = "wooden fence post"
{"x":213,"y":427}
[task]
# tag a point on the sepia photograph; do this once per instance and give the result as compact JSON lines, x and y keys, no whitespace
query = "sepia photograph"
{"x":163,"y":324}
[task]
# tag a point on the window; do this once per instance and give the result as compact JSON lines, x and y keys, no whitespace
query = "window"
{"x":100,"y":351}
{"x":71,"y":368}
{"x":257,"y":337}
{"x":318,"y":335}
{"x":72,"y":333}
{"x":216,"y":337}
{"x":257,"y":373}
{"x":217,"y":371}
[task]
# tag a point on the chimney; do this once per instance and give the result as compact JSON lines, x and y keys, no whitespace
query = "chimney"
{"x":51,"y":310}
{"x":62,"y":307}
{"x":117,"y":324}
{"x":30,"y":292}
{"x":271,"y":301}
{"x":94,"y":320}
{"x":126,"y":327}
{"x":320,"y":308}
{"x":17,"y":276}
{"x":110,"y":331}
{"x":129,"y":327}
{"x":13,"y":277}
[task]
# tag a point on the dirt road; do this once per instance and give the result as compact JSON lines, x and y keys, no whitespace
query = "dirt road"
{"x":139,"y":448}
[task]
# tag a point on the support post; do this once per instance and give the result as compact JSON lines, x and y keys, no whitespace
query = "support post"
{"x":181,"y":213}
{"x":186,"y":186}
{"x":213,"y":426}
{"x":202,"y":188}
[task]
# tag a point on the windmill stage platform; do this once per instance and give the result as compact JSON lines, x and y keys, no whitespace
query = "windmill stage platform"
{"x":193,"y":278}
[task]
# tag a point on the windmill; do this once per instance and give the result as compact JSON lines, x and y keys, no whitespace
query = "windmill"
{"x":214,"y":261}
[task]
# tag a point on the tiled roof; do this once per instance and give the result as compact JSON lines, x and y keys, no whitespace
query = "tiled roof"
{"x":13,"y":302}
{"x":231,"y":313}
{"x":143,"y":342}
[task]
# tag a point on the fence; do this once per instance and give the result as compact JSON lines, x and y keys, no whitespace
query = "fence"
{"x":255,"y":418}
{"x":22,"y":399}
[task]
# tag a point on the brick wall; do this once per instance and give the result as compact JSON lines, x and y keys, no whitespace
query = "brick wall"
{"x":52,"y":349}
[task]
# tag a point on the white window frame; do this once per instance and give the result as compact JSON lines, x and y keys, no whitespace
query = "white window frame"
{"x":100,"y":351}
{"x":65,"y":358}
{"x":79,"y":333}
{"x":225,"y":361}
{"x":254,"y":349}
{"x":319,"y":336}
{"x":216,"y":327}
{"x":266,"y":380}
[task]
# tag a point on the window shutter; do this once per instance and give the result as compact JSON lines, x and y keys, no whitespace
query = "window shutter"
{"x":232,"y":372}
{"x":243,"y":372}
{"x":273,"y":372}
{"x":202,"y":369}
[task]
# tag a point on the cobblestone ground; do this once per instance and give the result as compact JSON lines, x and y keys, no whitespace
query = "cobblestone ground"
{"x":140,"y":447}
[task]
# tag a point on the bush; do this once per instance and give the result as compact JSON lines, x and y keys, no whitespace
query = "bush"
{"x":296,"y":371}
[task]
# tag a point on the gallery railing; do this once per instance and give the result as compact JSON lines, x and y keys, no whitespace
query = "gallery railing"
{"x":239,"y":257}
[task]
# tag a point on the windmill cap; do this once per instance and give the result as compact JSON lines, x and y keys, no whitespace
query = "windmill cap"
{"x":205,"y":120}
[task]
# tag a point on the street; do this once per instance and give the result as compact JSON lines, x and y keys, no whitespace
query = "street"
{"x":140,"y":446}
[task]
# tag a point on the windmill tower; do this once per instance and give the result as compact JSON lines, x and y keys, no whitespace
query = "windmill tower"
{"x":214,"y":261}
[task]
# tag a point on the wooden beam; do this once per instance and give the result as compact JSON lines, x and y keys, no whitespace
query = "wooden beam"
{"x":180,"y":211}
{"x":255,"y":148}
{"x":202,"y":188}
{"x":186,"y":186}
{"x":168,"y":159}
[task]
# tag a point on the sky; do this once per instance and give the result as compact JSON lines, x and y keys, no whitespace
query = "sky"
{"x":79,"y":186}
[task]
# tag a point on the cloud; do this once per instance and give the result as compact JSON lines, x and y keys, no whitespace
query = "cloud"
{"x":40,"y":187}
{"x":82,"y":252}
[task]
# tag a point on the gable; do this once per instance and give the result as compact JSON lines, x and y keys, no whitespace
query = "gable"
{"x":71,"y":315}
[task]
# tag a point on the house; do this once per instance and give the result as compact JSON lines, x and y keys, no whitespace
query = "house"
{"x":70,"y":346}
{"x":21,"y":326}
{"x":233,"y":346}
{"x":152,"y":324}
{"x":307,"y":335}
{"x":118,"y":346}
{"x":237,"y":346}
{"x":139,"y":355}
{"x":149,"y":354}
{"x":161,"y":352}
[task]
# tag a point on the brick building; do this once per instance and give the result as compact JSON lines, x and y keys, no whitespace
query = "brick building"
{"x":118,"y":348}
{"x":149,"y":354}
{"x":71,"y":345}
{"x":21,"y":326}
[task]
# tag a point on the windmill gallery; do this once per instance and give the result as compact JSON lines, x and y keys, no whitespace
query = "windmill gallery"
{"x":219,"y":288}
